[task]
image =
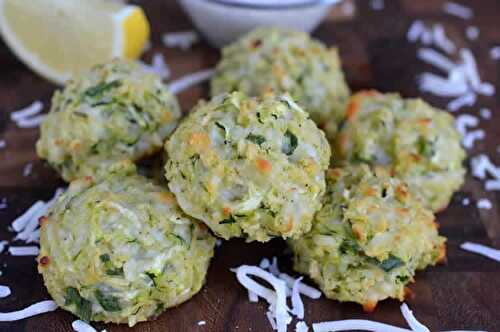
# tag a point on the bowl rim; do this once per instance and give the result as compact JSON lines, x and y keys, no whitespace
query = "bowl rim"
{"x":304,"y":4}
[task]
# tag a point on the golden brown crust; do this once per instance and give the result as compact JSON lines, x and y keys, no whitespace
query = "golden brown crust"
{"x":442,"y":259}
{"x":408,"y":294}
{"x":334,"y":173}
{"x":355,"y":102}
{"x":370,"y":306}
{"x":263,"y":165}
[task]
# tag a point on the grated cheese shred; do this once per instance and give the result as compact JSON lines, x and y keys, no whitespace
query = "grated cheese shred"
{"x":4,"y":291}
{"x":304,"y":289}
{"x":24,"y":251}
{"x":301,"y":327}
{"x":27,"y":225}
{"x":81,"y":326}
{"x":297,"y":304}
{"x":356,"y":324}
{"x":190,"y":80}
{"x":276,"y":298}
{"x":415,"y":31}
{"x":29,"y":111}
{"x":484,"y":203}
{"x":458,"y":10}
{"x":481,"y":167}
{"x":182,"y":39}
{"x":414,"y":324}
{"x":441,"y":40}
{"x":32,"y":310}
{"x":481,"y":250}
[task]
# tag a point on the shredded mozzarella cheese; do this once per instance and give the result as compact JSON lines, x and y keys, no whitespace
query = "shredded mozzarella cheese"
{"x":3,"y":203}
{"x":377,"y":4}
{"x":264,"y":263}
{"x":32,"y":310}
{"x":436,"y":59}
{"x":20,"y":223}
{"x":471,"y":137}
{"x":31,"y":110}
{"x":485,"y":113}
{"x":470,"y":67}
{"x":495,"y":53}
{"x":271,"y":320}
{"x":182,"y":39}
{"x":190,"y":80}
{"x":27,"y":225}
{"x":414,"y":324}
{"x":469,"y":99}
{"x":356,"y":324}
{"x":484,"y":203}
{"x":24,"y":251}
{"x":276,"y":298}
{"x":2,"y":245}
{"x":481,"y":250}
{"x":441,"y":40}
{"x":81,"y":326}
{"x":32,"y":122}
{"x":273,"y":268}
{"x":304,"y":289}
{"x":301,"y":327}
{"x":28,"y":168}
{"x":252,"y":297}
{"x":297,"y":304}
{"x":415,"y":31}
{"x":465,"y":121}
{"x":482,"y":166}
{"x":472,"y":32}
{"x":4,"y":291}
{"x":458,"y":10}
{"x":160,"y":66}
{"x":441,"y":86}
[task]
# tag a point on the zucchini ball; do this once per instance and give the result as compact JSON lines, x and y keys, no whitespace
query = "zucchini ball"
{"x":249,"y":167}
{"x":117,"y":111}
{"x":414,"y":141}
{"x":285,"y":61}
{"x":369,"y":239}
{"x":120,"y":250}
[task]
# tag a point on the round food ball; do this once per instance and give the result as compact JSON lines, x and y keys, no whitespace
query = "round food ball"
{"x":120,"y":249}
{"x":368,"y":239}
{"x":117,"y":111}
{"x":249,"y":167}
{"x":285,"y":61}
{"x":416,"y":142}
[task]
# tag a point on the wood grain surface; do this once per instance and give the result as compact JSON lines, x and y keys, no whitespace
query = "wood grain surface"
{"x":463,"y":294}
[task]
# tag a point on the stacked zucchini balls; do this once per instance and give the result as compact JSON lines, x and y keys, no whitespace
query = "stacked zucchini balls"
{"x":252,"y":163}
{"x":116,"y":247}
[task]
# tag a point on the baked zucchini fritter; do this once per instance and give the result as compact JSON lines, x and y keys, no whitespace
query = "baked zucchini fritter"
{"x":249,"y":167}
{"x":369,"y":239}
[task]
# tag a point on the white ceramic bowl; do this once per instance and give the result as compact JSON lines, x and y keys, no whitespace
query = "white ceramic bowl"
{"x":223,"y":21}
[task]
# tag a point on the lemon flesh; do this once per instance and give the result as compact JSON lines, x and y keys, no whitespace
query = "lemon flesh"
{"x":62,"y":38}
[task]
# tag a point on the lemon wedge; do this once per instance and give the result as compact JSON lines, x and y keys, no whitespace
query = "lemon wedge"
{"x":61,"y":38}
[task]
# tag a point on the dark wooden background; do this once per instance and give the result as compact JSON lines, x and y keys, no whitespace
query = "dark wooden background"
{"x":464,"y":294}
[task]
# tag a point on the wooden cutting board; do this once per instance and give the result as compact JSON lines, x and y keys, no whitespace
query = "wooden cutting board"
{"x":464,"y":294}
